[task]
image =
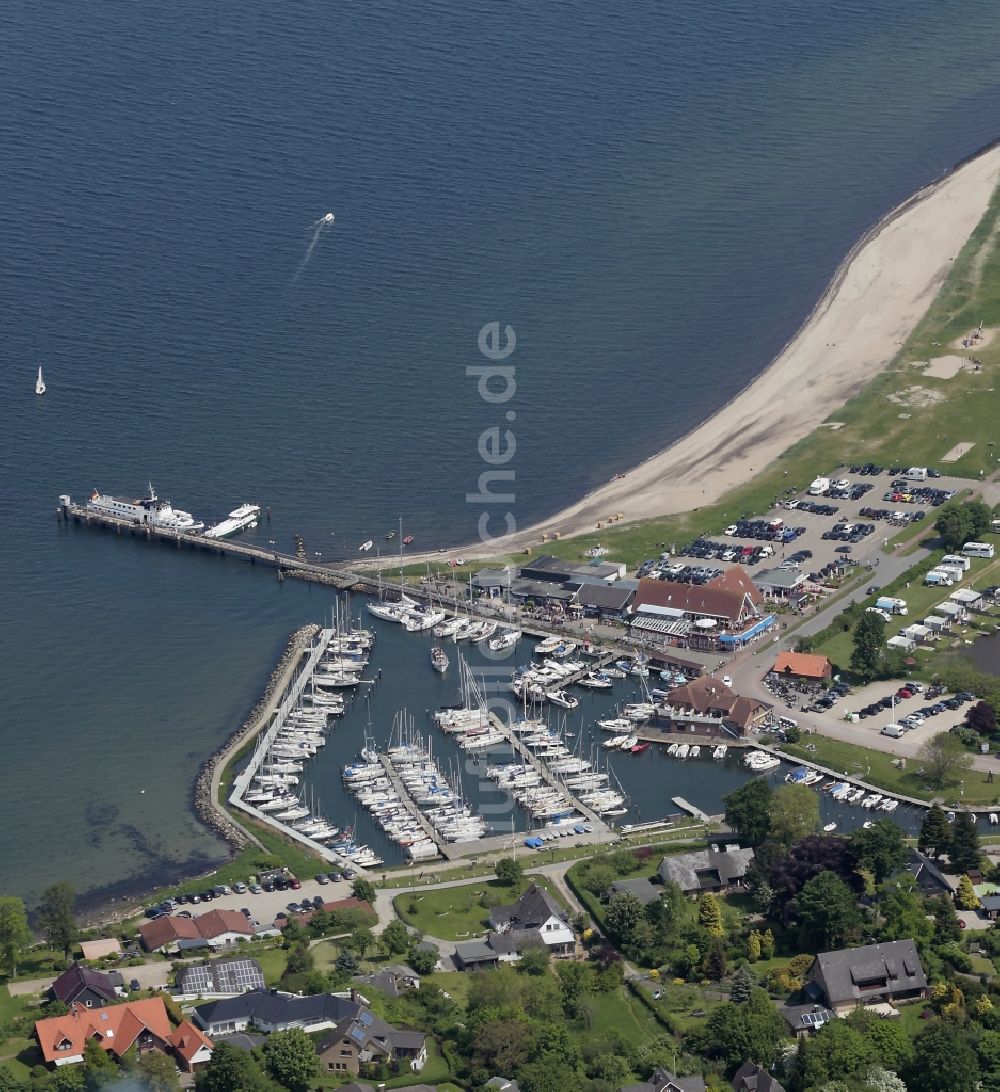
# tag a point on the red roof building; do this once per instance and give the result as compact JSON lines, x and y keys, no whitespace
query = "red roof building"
{"x":192,"y":1047}
{"x":117,"y":1028}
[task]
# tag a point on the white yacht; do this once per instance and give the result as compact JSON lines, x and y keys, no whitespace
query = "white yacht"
{"x":507,"y":639}
{"x":146,"y":512}
{"x":239,"y":519}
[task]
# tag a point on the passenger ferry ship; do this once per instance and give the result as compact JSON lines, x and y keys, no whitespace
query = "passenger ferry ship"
{"x":148,"y":512}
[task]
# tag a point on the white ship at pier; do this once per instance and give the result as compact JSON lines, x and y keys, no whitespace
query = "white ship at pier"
{"x":147,"y":512}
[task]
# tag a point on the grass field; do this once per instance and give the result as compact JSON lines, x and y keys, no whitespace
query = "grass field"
{"x":876,"y":768}
{"x":457,"y":913}
{"x":622,"y":1013}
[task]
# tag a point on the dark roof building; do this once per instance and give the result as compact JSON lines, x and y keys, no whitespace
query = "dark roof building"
{"x":391,"y":981}
{"x":930,"y":879}
{"x":805,"y":1019}
{"x":548,"y":569}
{"x":706,"y":869}
{"x":272,"y":1010}
{"x":643,"y":890}
{"x":663,"y":1080}
{"x":224,"y":976}
{"x":86,"y":986}
{"x":754,"y":1078}
{"x":870,"y":975}
{"x":606,"y":600}
{"x":536,"y":919}
{"x":362,"y":1037}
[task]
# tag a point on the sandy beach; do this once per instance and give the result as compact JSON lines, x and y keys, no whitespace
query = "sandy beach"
{"x":878,"y":295}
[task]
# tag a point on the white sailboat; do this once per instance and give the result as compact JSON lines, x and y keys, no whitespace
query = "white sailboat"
{"x":39,"y":382}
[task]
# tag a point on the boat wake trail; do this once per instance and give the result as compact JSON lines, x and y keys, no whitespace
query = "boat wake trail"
{"x":324,"y":223}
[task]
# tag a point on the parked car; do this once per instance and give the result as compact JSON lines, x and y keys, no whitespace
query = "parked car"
{"x":322,"y":878}
{"x":256,"y":889}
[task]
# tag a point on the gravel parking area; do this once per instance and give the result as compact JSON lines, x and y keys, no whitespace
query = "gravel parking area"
{"x":266,"y":906}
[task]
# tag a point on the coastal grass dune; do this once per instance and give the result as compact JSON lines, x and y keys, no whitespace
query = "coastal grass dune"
{"x":852,"y":386}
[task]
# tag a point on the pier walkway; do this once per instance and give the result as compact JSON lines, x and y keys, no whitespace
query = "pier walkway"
{"x":409,"y":803}
{"x":278,"y":714}
{"x":529,"y":758}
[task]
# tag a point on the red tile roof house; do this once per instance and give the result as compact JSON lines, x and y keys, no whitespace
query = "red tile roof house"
{"x":192,"y":1047}
{"x":143,"y":1024}
{"x":217,"y":928}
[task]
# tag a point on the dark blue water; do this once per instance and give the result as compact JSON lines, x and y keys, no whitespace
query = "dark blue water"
{"x":652,"y":197}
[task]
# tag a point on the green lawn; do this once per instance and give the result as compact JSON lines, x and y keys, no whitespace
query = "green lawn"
{"x":457,"y":913}
{"x":16,"y":1052}
{"x":619,"y":1011}
{"x":272,"y":962}
{"x":876,"y":768}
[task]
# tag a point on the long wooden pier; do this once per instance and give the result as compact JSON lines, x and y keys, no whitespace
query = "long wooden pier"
{"x":530,"y":759}
{"x":409,"y":803}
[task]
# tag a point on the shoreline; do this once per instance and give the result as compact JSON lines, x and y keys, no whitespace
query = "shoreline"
{"x":876,"y":297}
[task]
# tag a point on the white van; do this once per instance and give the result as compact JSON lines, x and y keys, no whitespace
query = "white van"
{"x":916,"y":474}
{"x":958,"y":560}
{"x":978,"y":549}
{"x":894,"y":730}
{"x":938,"y":578}
{"x":819,"y":486}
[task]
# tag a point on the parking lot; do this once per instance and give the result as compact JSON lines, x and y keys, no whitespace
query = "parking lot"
{"x":265,"y":906}
{"x":831,"y":721}
{"x":820,"y":534}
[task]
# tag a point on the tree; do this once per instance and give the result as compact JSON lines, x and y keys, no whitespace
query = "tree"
{"x":943,"y":1060}
{"x":157,"y":1072}
{"x":598,"y":878}
{"x":903,"y":914}
{"x":710,"y":915}
{"x":748,"y":810}
{"x":879,"y":849}
{"x":231,"y":1070}
{"x":534,"y":960}
{"x":836,"y":1050}
{"x":883,"y":1080}
{"x":893,"y":1046}
{"x":753,"y":946}
{"x":364,"y":890}
{"x":813,"y":855}
{"x":955,"y":526}
{"x":868,"y":654}
{"x":14,"y":933}
{"x":741,"y":1033}
{"x":396,"y":938}
{"x":623,"y":915}
{"x":982,"y":718}
{"x":827,"y":912}
{"x":742,"y":986}
{"x":573,"y":978}
{"x":965,"y":897}
{"x":715,"y":960}
{"x":964,"y":852}
{"x":300,"y":959}
{"x":947,"y":929}
{"x":423,"y":960}
{"x":794,"y":814}
{"x":9,"y":1083}
{"x":509,"y":871}
{"x":767,"y":945}
{"x":943,"y":758}
{"x":988,"y":1049}
{"x":362,"y":940}
{"x":935,"y":833}
{"x":291,"y":1059}
{"x":55,"y":917}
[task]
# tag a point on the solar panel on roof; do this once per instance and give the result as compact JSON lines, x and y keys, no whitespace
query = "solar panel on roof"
{"x":367,"y":1019}
{"x":358,"y":1034}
